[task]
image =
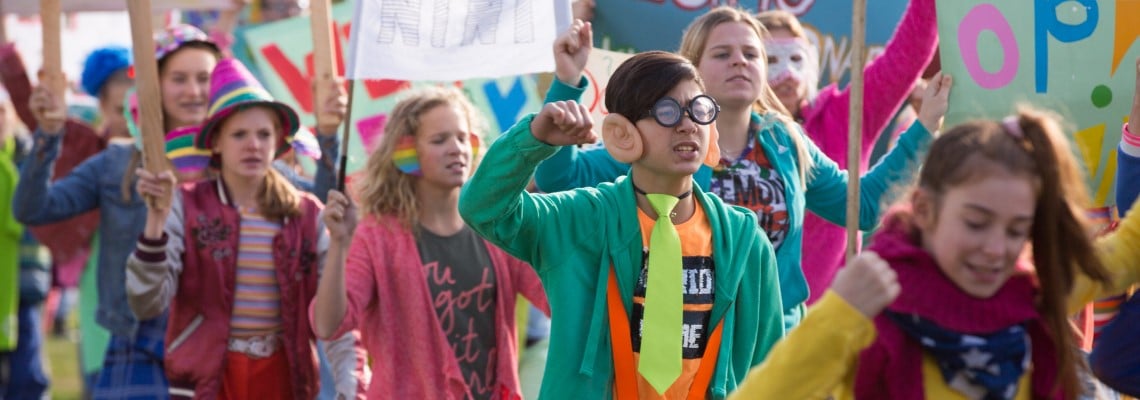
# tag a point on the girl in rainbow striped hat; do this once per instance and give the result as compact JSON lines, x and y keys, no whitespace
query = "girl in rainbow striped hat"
{"x":236,"y":258}
{"x":410,"y":196}
{"x":134,"y":356}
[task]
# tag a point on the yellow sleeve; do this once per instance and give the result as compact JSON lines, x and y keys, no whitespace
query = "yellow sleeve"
{"x":815,"y":358}
{"x":1120,"y":253}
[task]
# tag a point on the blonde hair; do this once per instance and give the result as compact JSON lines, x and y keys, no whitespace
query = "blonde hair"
{"x":384,"y":189}
{"x":768,"y":104}
{"x":781,"y":19}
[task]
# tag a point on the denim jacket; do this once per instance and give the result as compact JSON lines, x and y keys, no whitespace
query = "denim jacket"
{"x":97,"y":183}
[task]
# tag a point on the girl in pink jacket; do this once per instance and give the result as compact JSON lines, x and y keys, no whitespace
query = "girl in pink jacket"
{"x":434,"y":302}
{"x":794,"y":76}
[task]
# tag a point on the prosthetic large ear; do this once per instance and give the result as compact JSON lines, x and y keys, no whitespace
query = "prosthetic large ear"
{"x":712,"y":158}
{"x":622,"y":138}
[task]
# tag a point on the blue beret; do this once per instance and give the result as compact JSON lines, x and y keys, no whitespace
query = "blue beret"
{"x":101,"y":64}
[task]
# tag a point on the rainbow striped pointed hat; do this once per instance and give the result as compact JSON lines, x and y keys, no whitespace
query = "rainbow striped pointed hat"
{"x":233,"y":88}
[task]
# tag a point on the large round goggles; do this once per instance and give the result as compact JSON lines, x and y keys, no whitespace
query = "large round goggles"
{"x":701,"y":109}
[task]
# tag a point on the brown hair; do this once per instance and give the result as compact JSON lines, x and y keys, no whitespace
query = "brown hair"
{"x":693,"y":48}
{"x":781,"y":19}
{"x":277,"y":198}
{"x":195,"y":44}
{"x":384,"y":189}
{"x":643,"y":79}
{"x":1061,"y":239}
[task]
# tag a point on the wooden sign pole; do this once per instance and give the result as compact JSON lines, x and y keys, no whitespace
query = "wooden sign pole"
{"x":855,"y":127}
{"x":146,"y":83}
{"x":324,"y":65}
{"x":52,"y":75}
{"x":324,"y":73}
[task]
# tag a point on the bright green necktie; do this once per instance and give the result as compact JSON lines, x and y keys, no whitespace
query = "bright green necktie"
{"x":660,"y":361}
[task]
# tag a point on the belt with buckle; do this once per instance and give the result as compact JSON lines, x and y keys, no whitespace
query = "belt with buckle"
{"x":255,"y":346}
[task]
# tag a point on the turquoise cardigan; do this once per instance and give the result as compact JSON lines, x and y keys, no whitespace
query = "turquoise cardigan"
{"x":826,"y":193}
{"x":573,"y":238}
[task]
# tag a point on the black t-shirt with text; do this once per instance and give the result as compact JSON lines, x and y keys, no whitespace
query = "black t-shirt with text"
{"x":462,"y":283}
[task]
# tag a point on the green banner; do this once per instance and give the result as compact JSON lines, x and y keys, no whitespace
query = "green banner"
{"x":1074,"y":57}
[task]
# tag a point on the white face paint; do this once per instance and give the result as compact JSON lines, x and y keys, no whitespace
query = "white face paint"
{"x":791,"y":59}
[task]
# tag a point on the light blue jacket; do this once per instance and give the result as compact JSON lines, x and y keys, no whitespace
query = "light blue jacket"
{"x":826,"y":193}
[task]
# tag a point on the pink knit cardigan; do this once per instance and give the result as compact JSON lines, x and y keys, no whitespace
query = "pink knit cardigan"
{"x":390,"y":303}
{"x":888,"y":80}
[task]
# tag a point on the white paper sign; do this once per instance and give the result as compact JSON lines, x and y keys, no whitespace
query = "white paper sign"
{"x":32,"y":7}
{"x":448,"y":40}
{"x":599,"y":68}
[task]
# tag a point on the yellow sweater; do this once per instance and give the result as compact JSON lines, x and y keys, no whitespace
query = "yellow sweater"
{"x":818,"y":359}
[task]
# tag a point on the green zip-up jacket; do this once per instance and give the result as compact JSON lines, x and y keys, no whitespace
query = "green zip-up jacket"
{"x":824,"y":194}
{"x":572,"y":238}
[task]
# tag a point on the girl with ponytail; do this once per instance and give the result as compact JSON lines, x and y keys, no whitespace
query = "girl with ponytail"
{"x":966,"y":290}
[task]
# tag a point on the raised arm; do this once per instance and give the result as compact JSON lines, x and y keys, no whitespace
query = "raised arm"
{"x":38,"y":201}
{"x":571,"y":167}
{"x":890,"y":77}
{"x":154,"y":267}
{"x":824,"y":349}
{"x":827,"y":188}
{"x":333,"y":312}
{"x":1120,"y":255}
{"x":495,"y":203}
{"x":1128,"y":168}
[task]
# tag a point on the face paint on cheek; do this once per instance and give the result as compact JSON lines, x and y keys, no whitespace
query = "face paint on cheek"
{"x":405,"y":156}
{"x":790,"y":60}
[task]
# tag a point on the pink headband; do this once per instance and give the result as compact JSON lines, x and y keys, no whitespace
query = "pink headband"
{"x":1012,"y":125}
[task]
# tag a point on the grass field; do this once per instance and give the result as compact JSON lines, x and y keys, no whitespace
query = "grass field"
{"x":62,"y":361}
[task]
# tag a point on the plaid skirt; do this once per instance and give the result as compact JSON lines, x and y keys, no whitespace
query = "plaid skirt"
{"x":133,"y":369}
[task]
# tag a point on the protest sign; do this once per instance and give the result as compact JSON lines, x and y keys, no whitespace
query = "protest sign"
{"x":599,"y":68}
{"x":1072,"y":57}
{"x":283,"y":53}
{"x":446,"y":40}
{"x":32,"y":7}
{"x":658,"y":25}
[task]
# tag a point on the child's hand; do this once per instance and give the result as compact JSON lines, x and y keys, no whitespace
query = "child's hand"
{"x":158,"y":190}
{"x":49,"y":110}
{"x":935,"y":101}
{"x":867,"y":283}
{"x":571,"y":51}
{"x":584,"y":9}
{"x":333,"y":108}
{"x":563,"y":123}
{"x":340,"y":217}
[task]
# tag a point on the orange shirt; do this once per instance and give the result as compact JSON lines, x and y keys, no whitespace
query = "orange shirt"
{"x":699,"y":276}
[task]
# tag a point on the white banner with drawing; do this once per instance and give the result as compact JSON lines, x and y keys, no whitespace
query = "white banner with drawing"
{"x":442,"y":40}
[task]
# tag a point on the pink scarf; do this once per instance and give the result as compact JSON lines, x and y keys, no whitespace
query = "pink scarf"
{"x":891,"y":368}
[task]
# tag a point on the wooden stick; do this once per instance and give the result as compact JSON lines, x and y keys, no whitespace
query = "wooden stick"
{"x":324,"y":65}
{"x":52,"y":76}
{"x":3,"y":24}
{"x":855,"y":127}
{"x":146,"y":82}
{"x":344,"y":141}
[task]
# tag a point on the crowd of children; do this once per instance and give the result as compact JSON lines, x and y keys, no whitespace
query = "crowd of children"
{"x":231,"y":276}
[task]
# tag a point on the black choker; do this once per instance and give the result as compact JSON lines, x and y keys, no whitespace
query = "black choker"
{"x":682,"y":196}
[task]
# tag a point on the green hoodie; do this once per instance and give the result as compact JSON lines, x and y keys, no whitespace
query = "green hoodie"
{"x":572,"y":238}
{"x":10,"y":234}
